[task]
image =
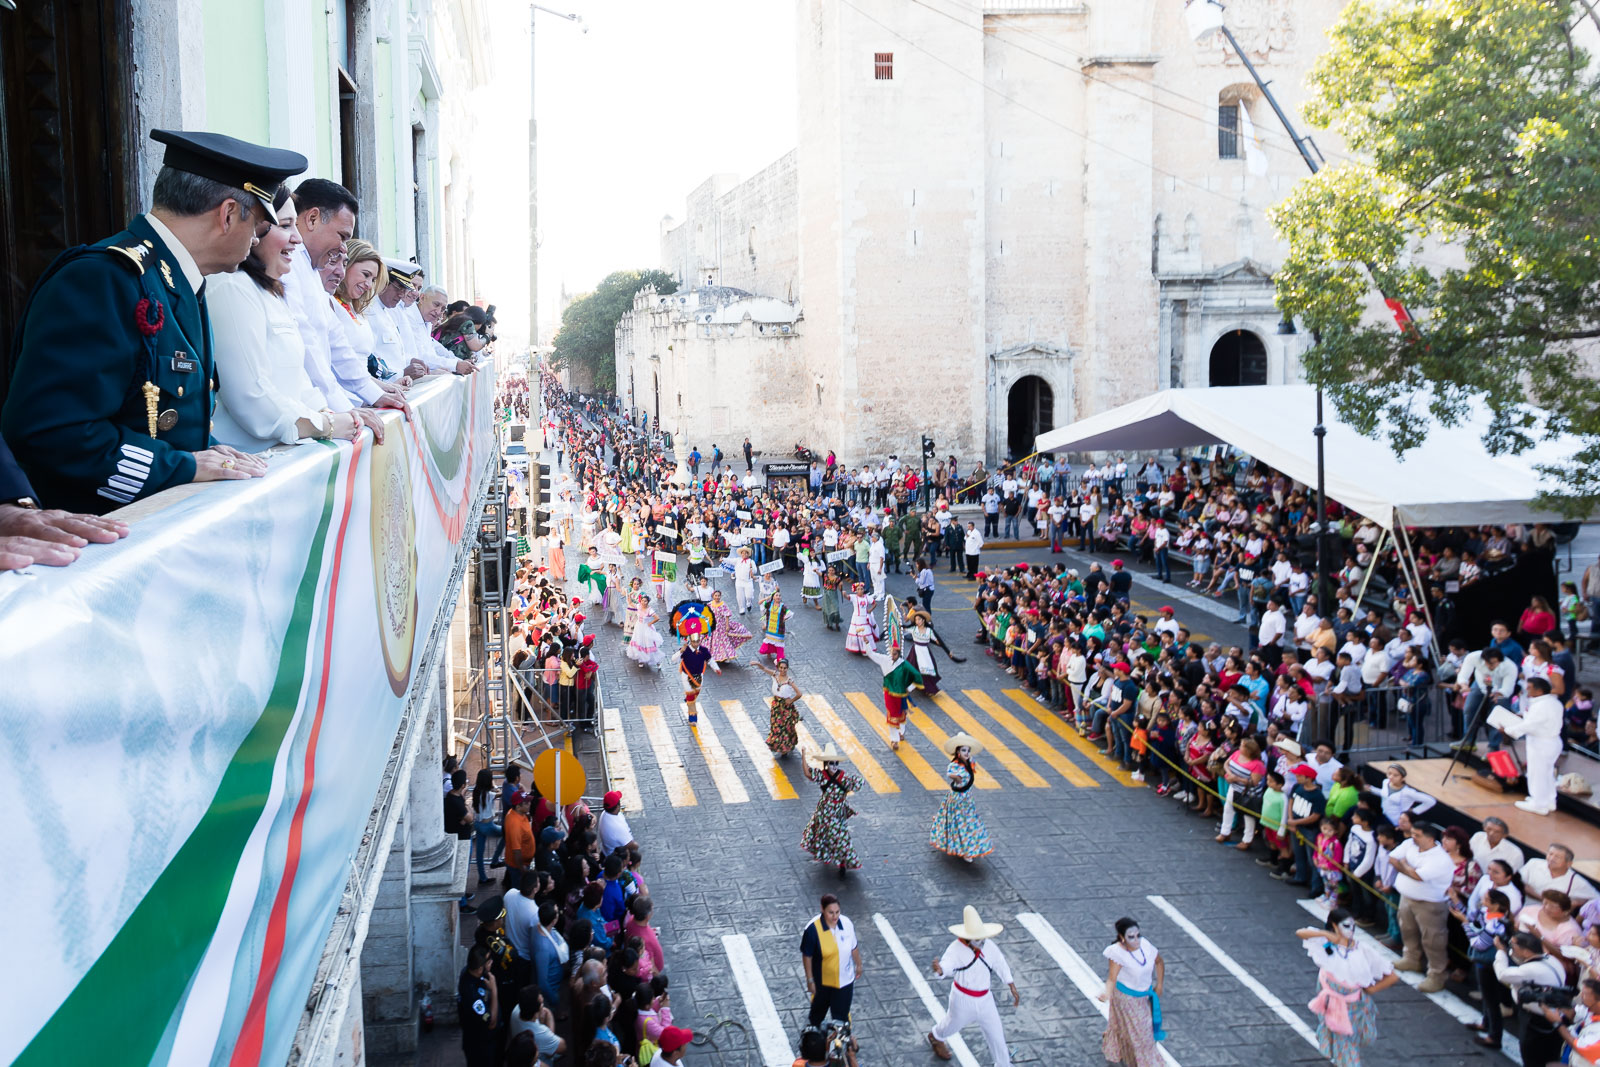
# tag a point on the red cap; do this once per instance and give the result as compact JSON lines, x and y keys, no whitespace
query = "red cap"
{"x":519,"y":796}
{"x":578,"y":617}
{"x":588,"y":639}
{"x":577,"y":600}
{"x":1116,"y":563}
{"x":674,"y":1038}
{"x":1166,"y":609}
{"x":1303,"y":770}
{"x":982,"y":575}
{"x":613,"y":798}
{"x":1123,"y":667}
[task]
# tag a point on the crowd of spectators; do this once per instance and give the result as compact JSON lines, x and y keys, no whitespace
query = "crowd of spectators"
{"x":565,"y":964}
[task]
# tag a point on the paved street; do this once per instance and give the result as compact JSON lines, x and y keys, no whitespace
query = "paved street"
{"x":1077,"y":845}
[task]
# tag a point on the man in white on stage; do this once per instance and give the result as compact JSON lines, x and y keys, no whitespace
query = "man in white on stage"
{"x":1540,"y":728}
{"x":972,"y":962}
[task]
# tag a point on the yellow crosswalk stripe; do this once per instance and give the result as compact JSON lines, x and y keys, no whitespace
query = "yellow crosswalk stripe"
{"x":1036,"y":744}
{"x":620,"y":762}
{"x":1011,"y":761}
{"x":870,"y":768}
{"x":913,"y":760}
{"x":932,"y":732}
{"x":772,"y":775}
{"x":676,"y":779}
{"x":717,"y":761}
{"x":1070,"y":736}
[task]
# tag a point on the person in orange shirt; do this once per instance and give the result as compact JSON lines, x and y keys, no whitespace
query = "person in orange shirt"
{"x":519,"y":839}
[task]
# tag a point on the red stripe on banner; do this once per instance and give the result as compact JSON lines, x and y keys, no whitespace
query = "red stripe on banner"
{"x":247,"y":1051}
{"x":454,"y":522}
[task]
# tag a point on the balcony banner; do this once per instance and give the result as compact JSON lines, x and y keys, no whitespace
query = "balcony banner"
{"x":196,"y":721}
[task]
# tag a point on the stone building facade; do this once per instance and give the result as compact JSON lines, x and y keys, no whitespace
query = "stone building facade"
{"x":1000,"y":217}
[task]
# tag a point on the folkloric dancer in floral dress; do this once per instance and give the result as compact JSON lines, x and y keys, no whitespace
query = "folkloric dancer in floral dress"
{"x":729,"y":633}
{"x":832,"y":581}
{"x":899,"y":678}
{"x":631,"y":608}
{"x":957,"y":827}
{"x":775,"y":618}
{"x":827,"y":836}
{"x":923,"y":637}
{"x":781,"y":734}
{"x":862,"y":634}
{"x":1348,"y":974}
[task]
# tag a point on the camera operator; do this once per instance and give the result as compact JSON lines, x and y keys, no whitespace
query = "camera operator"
{"x":1582,"y":1033}
{"x":813,"y":1048}
{"x":1538,"y":981}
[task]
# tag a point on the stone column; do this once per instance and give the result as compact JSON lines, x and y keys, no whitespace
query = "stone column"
{"x":439,"y":862}
{"x":388,"y":1002}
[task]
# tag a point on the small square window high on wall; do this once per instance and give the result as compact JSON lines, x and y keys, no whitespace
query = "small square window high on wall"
{"x":883,"y":66}
{"x":1228,"y":131}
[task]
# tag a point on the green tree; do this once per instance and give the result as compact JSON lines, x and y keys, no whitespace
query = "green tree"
{"x":1472,"y":201}
{"x":586,"y":341}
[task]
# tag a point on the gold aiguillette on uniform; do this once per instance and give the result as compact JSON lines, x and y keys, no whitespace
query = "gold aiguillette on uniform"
{"x":152,"y":395}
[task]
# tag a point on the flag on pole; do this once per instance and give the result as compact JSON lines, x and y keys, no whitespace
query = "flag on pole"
{"x":1255,"y":159}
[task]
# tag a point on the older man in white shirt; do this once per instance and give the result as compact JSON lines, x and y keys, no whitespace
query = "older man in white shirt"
{"x":1423,"y":872}
{"x":1555,"y":872}
{"x":1493,"y":842}
{"x":420,"y":319}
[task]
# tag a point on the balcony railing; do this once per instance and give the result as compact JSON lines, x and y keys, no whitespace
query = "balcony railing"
{"x":198,"y":721}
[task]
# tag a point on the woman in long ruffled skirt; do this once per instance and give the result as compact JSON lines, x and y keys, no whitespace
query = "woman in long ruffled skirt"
{"x":957,"y":827}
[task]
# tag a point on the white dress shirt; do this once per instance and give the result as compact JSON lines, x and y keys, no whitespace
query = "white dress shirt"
{"x":1483,"y":852}
{"x":435,"y":355}
{"x":1435,"y":869}
{"x":328,"y":354}
{"x":389,"y":341}
{"x":263,"y":387}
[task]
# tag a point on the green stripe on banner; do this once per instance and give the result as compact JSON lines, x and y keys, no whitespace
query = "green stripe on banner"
{"x":132,"y":990}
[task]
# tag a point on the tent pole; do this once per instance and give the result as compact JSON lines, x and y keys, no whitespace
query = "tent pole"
{"x":1323,"y":585}
{"x":1408,"y":560}
{"x":1372,"y":565}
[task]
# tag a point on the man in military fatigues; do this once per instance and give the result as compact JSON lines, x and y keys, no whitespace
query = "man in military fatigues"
{"x":111,"y":398}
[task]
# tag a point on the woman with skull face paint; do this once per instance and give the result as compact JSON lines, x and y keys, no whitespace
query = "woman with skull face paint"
{"x":1133,"y":990}
{"x":1349,"y":974}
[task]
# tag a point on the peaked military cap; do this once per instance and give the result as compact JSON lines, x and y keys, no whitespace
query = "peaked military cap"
{"x":404,"y":272}
{"x":256,"y":169}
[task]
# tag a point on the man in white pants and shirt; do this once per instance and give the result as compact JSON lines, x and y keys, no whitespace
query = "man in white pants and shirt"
{"x":1541,"y":738}
{"x":744,"y":581}
{"x":969,"y":962}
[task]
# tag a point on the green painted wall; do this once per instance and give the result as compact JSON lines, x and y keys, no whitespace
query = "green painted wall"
{"x":327,"y":162}
{"x":383,"y":107}
{"x":236,"y":68}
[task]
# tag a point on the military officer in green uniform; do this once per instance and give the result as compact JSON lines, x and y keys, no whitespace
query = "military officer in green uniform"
{"x":111,"y":397}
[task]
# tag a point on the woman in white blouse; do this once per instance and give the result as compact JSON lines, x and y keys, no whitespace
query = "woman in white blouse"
{"x":264,"y":396}
{"x":1349,"y":973}
{"x":1133,"y":992}
{"x":363,"y":265}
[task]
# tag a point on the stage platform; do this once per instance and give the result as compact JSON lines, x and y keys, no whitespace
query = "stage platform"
{"x":1534,"y":833}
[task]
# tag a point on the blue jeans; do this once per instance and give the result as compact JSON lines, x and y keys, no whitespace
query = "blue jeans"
{"x":1303,"y":865}
{"x":481,"y":832}
{"x":760,"y":553}
{"x":1121,"y":729}
{"x":1244,"y":601}
{"x":1056,"y":533}
{"x":1013,"y":528}
{"x":1163,"y":565}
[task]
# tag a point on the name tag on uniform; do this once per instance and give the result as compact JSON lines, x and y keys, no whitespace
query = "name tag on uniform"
{"x":184,"y":363}
{"x":284,"y":327}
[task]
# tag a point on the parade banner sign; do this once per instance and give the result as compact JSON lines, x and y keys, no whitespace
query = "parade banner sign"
{"x":771,"y":568}
{"x":210,"y":705}
{"x":667,"y":531}
{"x":842,"y":554}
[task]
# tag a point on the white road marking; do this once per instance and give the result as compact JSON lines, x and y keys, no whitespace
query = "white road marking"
{"x":1079,"y":972}
{"x":920,"y":984}
{"x":1266,"y":996}
{"x":770,"y":1035}
{"x":1453,"y":1005}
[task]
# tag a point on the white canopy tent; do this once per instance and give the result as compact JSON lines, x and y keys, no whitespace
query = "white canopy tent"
{"x":1448,"y":480}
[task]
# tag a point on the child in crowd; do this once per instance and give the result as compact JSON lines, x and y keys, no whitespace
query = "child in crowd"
{"x":1384,"y":875}
{"x":1360,"y":856}
{"x":1329,"y":859}
{"x":1279,"y":854}
{"x":1140,"y":744}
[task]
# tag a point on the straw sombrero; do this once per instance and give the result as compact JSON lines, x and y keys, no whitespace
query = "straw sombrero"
{"x":955,"y":741}
{"x":972,"y":928}
{"x":829,"y":753}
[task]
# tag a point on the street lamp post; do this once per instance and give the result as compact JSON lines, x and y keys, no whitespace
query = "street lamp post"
{"x":533,"y":165}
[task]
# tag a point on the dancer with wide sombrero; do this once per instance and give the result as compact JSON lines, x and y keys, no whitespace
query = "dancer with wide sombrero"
{"x":957,"y":827}
{"x":827,"y":834}
{"x":972,"y":962}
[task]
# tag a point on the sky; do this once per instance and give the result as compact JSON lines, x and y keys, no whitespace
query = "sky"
{"x":655,"y":98}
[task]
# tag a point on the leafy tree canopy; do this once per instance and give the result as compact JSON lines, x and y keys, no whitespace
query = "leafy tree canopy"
{"x":1474,"y":200}
{"x":586,"y":340}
